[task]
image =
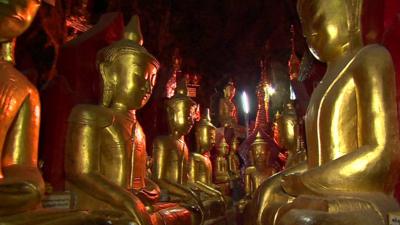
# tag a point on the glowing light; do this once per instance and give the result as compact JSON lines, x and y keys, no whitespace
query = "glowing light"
{"x":245,"y":103}
{"x":332,"y":30}
{"x":292,"y":94}
{"x":271,"y":90}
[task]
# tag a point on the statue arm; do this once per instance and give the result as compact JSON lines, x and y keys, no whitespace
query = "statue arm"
{"x":82,"y":170}
{"x":248,"y":185}
{"x":223,"y":112}
{"x":208,"y":189}
{"x":368,"y":167}
{"x":151,"y":192}
{"x":22,"y":186}
{"x":192,"y":168}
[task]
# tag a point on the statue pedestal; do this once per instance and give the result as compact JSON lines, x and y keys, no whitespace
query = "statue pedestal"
{"x":58,"y":200}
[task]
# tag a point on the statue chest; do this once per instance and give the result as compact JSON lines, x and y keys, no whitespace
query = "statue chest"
{"x":258,"y":177}
{"x":176,"y":161}
{"x":203,"y":169}
{"x":331,"y":119}
{"x":124,"y":155}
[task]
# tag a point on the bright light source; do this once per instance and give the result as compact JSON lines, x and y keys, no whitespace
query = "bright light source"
{"x":292,"y":93}
{"x":245,"y":102}
{"x":271,"y":90}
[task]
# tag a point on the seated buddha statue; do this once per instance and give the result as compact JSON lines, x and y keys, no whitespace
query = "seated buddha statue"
{"x":227,"y":110}
{"x":106,"y":159}
{"x":21,"y":184}
{"x":260,"y":170}
{"x":220,"y":170}
{"x":351,"y":128}
{"x":233,"y":160}
{"x":171,"y":161}
{"x":199,"y":161}
{"x":289,"y":138}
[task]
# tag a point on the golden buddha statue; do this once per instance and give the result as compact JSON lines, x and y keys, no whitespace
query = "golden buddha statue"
{"x":106,"y":159}
{"x":351,"y":128}
{"x":288,"y":134}
{"x":261,"y":168}
{"x":21,"y":184}
{"x":233,"y":160}
{"x":199,"y":161}
{"x":227,"y":109}
{"x":220,"y":170}
{"x":171,"y":161}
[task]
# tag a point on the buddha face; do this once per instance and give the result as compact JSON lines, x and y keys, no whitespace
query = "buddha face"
{"x":229,"y":91}
{"x":181,"y":116}
{"x":205,"y":136}
{"x":16,"y":16}
{"x":260,"y":155}
{"x":222,"y":150}
{"x":135,"y":79}
{"x":326,"y":27}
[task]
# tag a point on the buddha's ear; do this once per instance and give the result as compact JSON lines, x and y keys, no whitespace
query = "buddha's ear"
{"x":109,"y":83}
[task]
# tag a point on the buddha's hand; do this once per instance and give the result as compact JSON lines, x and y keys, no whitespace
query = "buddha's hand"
{"x":149,"y":197}
{"x":136,"y":209}
{"x":17,"y":197}
{"x":18,"y":193}
{"x":294,"y":185}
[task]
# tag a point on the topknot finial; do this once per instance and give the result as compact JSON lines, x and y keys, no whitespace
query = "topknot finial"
{"x":132,"y":30}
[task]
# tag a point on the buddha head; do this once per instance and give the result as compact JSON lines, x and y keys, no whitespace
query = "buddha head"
{"x":16,"y":16}
{"x":235,"y":146}
{"x":222,"y":147}
{"x":260,"y":153}
{"x":181,"y":111}
{"x":128,"y":71}
{"x":229,"y":90}
{"x":205,"y":133}
{"x":334,"y":27}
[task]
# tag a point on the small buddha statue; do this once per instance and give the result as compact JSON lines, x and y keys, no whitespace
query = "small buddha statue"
{"x":221,"y":172}
{"x":171,"y":160}
{"x":21,"y":184}
{"x":227,"y":109}
{"x":200,"y":164}
{"x":288,"y":130}
{"x":106,"y":159}
{"x":352,"y":143}
{"x":233,"y":160}
{"x":261,"y":168}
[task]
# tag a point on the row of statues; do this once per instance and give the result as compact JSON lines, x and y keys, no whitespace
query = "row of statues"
{"x":352,"y":139}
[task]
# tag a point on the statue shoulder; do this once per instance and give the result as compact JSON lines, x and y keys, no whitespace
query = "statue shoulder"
{"x":14,"y":86}
{"x":249,"y":170}
{"x":374,"y":55}
{"x":197,"y":157}
{"x":92,"y":115}
{"x":371,"y":63}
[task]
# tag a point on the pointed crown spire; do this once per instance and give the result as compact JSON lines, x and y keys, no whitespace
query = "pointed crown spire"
{"x":294,"y":62}
{"x":133,"y":32}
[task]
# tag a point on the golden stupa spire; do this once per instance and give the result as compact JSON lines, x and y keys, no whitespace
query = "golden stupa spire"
{"x":132,"y":30}
{"x":294,"y":62}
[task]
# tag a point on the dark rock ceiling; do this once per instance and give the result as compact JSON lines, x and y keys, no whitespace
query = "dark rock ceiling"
{"x":219,"y":39}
